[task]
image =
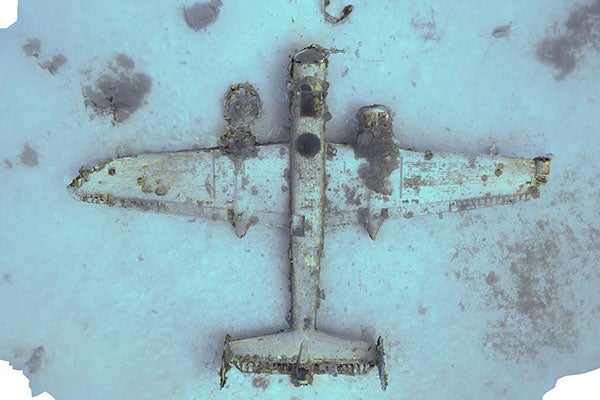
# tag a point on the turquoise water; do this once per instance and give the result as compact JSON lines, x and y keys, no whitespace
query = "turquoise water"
{"x":495,"y":303}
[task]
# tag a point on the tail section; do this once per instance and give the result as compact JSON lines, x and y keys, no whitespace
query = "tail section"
{"x":301,"y":354}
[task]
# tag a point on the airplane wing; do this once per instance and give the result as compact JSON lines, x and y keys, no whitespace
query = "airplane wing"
{"x":210,"y":184}
{"x":426,"y":183}
{"x":201,"y":183}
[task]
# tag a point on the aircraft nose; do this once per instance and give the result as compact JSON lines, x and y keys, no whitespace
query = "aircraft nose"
{"x":313,"y":54}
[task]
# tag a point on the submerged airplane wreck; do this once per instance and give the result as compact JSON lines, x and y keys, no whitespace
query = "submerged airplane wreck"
{"x":330,"y":184}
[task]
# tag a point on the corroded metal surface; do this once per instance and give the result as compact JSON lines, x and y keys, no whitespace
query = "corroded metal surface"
{"x":303,"y":351}
{"x":202,"y":183}
{"x":206,"y":184}
{"x":306,"y":185}
{"x":428,"y":183}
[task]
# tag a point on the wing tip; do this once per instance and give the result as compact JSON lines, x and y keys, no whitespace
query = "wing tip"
{"x":542,"y":169}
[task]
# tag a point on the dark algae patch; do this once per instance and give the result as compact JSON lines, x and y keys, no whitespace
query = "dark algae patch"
{"x":118,"y":92}
{"x":580,"y":34}
{"x":35,"y":361}
{"x":559,"y":53}
{"x":307,"y":144}
{"x":123,"y":60}
{"x":532,"y":298}
{"x":260,"y":382}
{"x":32,"y":47}
{"x":426,"y":27}
{"x":28,"y":156}
{"x":200,"y":15}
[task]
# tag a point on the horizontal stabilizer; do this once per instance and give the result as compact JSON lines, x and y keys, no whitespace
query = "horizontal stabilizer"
{"x":301,"y":354}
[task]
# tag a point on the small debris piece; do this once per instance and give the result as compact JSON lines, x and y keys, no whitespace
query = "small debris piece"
{"x":32,"y":47}
{"x":501,"y":31}
{"x":200,"y":15}
{"x":7,"y":163}
{"x":331,"y":151}
{"x":336,"y":20}
{"x":383,"y":376}
{"x":52,"y":66}
{"x":28,"y":156}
